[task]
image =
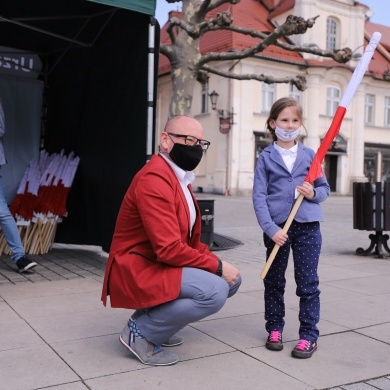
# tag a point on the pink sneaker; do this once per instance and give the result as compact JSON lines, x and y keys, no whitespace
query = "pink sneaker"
{"x":274,"y":341}
{"x":304,"y":349}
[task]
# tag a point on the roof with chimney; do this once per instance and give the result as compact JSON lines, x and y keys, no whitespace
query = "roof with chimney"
{"x":257,"y":15}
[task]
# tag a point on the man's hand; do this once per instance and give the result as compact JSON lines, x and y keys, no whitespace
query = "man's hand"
{"x":230,"y":273}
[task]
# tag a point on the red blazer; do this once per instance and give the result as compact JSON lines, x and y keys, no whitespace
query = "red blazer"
{"x":152,"y":241}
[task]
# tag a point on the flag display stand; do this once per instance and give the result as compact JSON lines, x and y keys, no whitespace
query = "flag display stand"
{"x":37,"y":236}
{"x":40,"y":202}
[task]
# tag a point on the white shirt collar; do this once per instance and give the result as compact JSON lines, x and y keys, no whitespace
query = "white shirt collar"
{"x":286,"y":152}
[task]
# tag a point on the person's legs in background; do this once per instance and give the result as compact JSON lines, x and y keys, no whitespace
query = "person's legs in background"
{"x":12,"y":236}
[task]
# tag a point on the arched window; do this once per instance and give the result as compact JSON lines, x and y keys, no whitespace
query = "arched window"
{"x":331,"y":34}
{"x":332,"y":100}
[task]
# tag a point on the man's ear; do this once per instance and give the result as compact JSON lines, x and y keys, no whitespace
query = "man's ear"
{"x":164,"y":141}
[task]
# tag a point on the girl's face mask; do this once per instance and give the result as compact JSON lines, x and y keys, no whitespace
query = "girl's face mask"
{"x":286,"y":135}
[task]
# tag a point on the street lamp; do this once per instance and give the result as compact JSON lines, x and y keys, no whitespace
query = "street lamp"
{"x":214,"y":98}
{"x":225,"y":116}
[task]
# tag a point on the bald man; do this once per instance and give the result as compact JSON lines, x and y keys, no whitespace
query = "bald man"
{"x":157,"y":264}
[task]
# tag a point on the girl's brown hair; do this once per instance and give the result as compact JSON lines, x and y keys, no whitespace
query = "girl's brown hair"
{"x":278,"y":107}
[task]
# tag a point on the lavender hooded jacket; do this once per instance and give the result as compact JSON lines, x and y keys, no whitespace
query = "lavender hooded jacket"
{"x":274,"y":187}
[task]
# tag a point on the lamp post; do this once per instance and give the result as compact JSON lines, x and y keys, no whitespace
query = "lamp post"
{"x":225,"y":116}
{"x":225,"y":124}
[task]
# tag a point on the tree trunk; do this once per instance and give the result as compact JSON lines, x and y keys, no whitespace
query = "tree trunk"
{"x":183,"y":82}
{"x":185,"y":64}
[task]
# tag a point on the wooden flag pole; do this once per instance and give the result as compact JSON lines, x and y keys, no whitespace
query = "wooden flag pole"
{"x":285,"y":229}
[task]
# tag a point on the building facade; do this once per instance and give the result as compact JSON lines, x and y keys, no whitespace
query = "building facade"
{"x":361,"y":151}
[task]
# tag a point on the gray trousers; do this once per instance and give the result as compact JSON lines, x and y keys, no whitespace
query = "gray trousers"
{"x":202,"y":294}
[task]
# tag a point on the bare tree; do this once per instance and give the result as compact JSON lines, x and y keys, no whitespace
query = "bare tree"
{"x":188,"y":64}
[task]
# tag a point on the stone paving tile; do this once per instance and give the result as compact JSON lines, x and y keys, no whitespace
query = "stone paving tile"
{"x":71,"y":262}
{"x":381,"y":383}
{"x":358,"y":386}
{"x":62,"y":262}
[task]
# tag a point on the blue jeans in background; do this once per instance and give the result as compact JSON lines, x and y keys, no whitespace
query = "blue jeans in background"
{"x":10,"y":230}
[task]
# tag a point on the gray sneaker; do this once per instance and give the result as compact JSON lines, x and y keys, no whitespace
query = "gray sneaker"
{"x":173,"y":341}
{"x":146,"y":352}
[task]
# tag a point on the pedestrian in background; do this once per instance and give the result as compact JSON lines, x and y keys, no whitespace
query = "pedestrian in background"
{"x":279,"y":179}
{"x":7,"y":221}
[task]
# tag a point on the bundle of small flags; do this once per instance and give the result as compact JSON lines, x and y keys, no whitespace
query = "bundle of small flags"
{"x":40,"y":201}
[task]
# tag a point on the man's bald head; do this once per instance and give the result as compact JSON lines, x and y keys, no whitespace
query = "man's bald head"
{"x":180,"y":124}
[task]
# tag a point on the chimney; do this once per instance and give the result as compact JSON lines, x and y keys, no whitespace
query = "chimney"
{"x":270,"y":4}
{"x":174,"y":13}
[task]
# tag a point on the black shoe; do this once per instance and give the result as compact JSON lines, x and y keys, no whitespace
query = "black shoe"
{"x":304,"y":349}
{"x":24,"y":264}
{"x":274,"y":341}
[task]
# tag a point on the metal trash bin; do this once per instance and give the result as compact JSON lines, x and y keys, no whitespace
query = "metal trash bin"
{"x":371,"y":211}
{"x":206,"y":207}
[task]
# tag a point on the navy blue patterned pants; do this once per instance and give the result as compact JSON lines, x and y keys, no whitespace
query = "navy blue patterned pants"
{"x":305,"y":241}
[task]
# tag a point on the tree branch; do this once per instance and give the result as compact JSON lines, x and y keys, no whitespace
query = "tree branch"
{"x":191,"y":30}
{"x":170,"y":32}
{"x":225,"y":56}
{"x":342,"y":55}
{"x":299,"y":81}
{"x":222,"y":19}
{"x":204,"y":8}
{"x":167,"y":51}
{"x":293,"y":25}
{"x":243,"y":31}
{"x":220,"y":22}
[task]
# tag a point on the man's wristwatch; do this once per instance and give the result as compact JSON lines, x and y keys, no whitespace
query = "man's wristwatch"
{"x":219,"y":269}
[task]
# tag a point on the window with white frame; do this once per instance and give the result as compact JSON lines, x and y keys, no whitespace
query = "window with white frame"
{"x":267,"y":95}
{"x":331,"y":34}
{"x":369,"y":109}
{"x":205,"y":98}
{"x":295,"y":93}
{"x":387,"y":111}
{"x":332,"y":100}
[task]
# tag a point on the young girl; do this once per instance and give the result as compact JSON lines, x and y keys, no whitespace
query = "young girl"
{"x":279,"y":179}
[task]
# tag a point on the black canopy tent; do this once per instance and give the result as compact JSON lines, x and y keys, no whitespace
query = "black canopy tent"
{"x":96,"y":101}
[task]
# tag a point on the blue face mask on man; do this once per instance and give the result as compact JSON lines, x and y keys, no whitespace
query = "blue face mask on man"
{"x":287,"y":135}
